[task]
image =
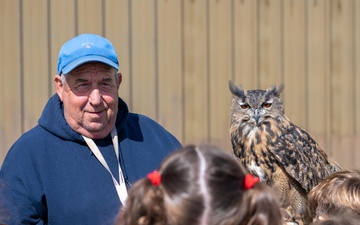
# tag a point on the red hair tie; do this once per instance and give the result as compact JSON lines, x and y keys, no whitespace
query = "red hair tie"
{"x":250,"y":180}
{"x":155,"y":178}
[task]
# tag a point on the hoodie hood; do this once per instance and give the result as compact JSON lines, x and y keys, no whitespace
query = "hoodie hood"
{"x":52,"y":119}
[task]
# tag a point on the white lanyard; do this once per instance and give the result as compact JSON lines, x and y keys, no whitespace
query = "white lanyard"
{"x":120,"y":188}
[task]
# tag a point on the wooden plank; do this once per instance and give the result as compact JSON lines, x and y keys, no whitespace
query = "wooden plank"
{"x":342,"y":78}
{"x":196,"y":111}
{"x":269,"y":45}
{"x":318,"y":80}
{"x":117,"y":30}
{"x":356,"y":156}
{"x":62,"y":29}
{"x":143,"y":59}
{"x":220,"y":71}
{"x":10,"y":78}
{"x":294,"y":95}
{"x":245,"y":44}
{"x":35,"y":57}
{"x":170,"y":74}
{"x":89,"y":17}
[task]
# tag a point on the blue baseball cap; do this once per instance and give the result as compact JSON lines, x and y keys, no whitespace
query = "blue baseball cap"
{"x":86,"y":48}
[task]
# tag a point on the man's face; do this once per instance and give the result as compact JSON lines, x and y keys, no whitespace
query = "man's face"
{"x":90,"y":99}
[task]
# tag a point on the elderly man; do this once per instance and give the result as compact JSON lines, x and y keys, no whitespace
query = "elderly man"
{"x":76,"y":165}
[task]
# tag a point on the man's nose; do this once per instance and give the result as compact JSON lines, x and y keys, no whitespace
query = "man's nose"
{"x":95,"y":97}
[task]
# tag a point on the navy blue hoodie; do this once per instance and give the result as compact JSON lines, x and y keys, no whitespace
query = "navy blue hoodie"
{"x":54,"y":178}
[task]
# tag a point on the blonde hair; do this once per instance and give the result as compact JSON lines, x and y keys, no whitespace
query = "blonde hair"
{"x":338,"y":192}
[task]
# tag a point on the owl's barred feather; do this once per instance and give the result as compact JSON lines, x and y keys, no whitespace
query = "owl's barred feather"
{"x":276,"y":150}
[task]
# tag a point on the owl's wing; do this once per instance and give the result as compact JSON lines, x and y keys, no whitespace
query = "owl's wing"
{"x":302,"y":158}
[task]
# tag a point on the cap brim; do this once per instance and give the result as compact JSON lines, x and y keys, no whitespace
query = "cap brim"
{"x":91,"y":58}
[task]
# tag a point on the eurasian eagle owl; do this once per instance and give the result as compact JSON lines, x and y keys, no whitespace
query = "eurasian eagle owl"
{"x":271,"y":147}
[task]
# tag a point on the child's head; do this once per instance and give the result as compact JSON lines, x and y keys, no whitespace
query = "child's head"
{"x":337,"y":193}
{"x":200,"y":185}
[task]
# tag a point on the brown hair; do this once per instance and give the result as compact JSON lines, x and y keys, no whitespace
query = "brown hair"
{"x":337,"y":192}
{"x":200,"y":185}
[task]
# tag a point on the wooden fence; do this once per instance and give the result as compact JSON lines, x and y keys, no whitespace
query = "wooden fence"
{"x":177,"y":57}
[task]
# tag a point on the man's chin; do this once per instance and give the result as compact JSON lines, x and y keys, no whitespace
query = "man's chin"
{"x":95,"y":127}
{"x":98,"y":128}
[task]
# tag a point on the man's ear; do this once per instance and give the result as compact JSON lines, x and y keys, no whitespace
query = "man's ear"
{"x":119,"y":80}
{"x":59,"y":86}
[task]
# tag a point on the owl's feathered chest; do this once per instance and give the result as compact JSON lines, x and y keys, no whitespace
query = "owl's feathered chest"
{"x":253,"y":144}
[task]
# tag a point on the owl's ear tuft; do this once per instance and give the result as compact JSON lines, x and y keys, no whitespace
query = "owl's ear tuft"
{"x":275,"y":90}
{"x":279,"y":89}
{"x":235,"y":90}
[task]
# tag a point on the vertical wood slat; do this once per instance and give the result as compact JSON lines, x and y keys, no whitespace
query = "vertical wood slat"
{"x":318,"y":109}
{"x":269,"y":46}
{"x":170,"y":73}
{"x":357,"y":84}
{"x":35,"y":58}
{"x":117,"y":28}
{"x":342,"y":78}
{"x":294,"y":95}
{"x":195,"y":71}
{"x":220,"y":71}
{"x":245,"y":44}
{"x":143,"y":88}
{"x":89,"y":16}
{"x":10,"y":76}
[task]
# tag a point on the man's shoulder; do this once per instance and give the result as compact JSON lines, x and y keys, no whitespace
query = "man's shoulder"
{"x":141,"y":119}
{"x":148,"y":127}
{"x":31,"y":139}
{"x":139,"y":116}
{"x":33,"y":134}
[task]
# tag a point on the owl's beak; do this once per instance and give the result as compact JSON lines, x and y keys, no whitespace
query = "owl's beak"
{"x":256,"y":115}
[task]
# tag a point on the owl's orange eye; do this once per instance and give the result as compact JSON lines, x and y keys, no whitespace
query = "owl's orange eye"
{"x":244,"y":106}
{"x":266,"y":105}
